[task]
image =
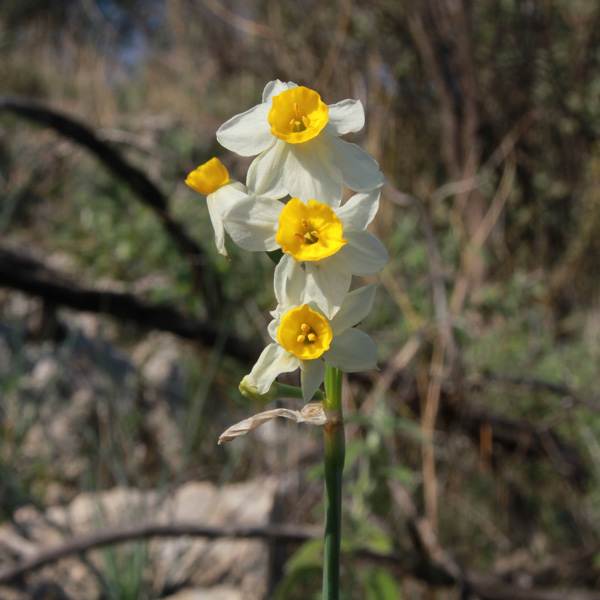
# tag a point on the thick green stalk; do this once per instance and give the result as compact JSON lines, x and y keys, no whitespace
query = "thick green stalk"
{"x":335,"y":451}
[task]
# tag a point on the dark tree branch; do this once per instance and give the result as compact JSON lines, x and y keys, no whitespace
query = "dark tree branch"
{"x":137,"y":532}
{"x":137,"y":181}
{"x":33,"y":277}
{"x":429,"y":562}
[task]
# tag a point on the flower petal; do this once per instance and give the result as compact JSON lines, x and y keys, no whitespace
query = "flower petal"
{"x":359,"y":211}
{"x":265,"y":175}
{"x":273,"y":361}
{"x":327,"y":283}
{"x":229,"y":195}
{"x":364,"y":253}
{"x":274,"y":88}
{"x":312,"y":376}
{"x":311,"y":174}
{"x":356,"y":306}
{"x":352,"y":351}
{"x":360,"y":171}
{"x":248,"y":133}
{"x":289,"y":283}
{"x":252,"y":223}
{"x":272,"y":328}
{"x":345,"y":117}
{"x":217,"y":223}
{"x":218,"y":203}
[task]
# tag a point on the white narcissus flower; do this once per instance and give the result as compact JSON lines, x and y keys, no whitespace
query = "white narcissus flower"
{"x":304,"y":338}
{"x":331,"y":243}
{"x":296,"y":137}
{"x":212,"y":180}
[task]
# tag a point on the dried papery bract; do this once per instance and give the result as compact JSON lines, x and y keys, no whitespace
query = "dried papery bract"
{"x":311,"y":414}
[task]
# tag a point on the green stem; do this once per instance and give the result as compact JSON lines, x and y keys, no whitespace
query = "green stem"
{"x":335,"y":450}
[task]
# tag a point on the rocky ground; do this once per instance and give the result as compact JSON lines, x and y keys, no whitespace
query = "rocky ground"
{"x":83,"y":414}
{"x":182,"y":567}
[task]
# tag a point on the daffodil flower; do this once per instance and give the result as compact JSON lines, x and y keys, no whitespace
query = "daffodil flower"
{"x":304,"y":338}
{"x":212,"y":180}
{"x":331,"y":243}
{"x":296,"y":137}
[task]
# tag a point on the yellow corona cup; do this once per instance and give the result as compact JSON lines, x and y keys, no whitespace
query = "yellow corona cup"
{"x":309,"y":231}
{"x":298,"y":115}
{"x":209,"y":177}
{"x":305,"y":333}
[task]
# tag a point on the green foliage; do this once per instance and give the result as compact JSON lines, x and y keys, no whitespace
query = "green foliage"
{"x":123,"y":575}
{"x":304,"y":571}
{"x":379,"y":585}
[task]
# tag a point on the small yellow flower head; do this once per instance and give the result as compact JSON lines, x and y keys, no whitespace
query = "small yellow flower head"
{"x":297,"y":115}
{"x":309,"y":231}
{"x":208,"y":177}
{"x":305,"y":333}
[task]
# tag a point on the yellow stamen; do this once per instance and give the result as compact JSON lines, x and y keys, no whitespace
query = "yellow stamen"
{"x":311,"y":337}
{"x":301,"y":338}
{"x":304,"y":327}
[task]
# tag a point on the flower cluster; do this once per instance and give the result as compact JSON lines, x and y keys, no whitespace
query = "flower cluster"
{"x":292,"y":201}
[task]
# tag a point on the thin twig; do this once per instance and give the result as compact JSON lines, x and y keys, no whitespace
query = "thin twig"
{"x":497,"y":157}
{"x":337,"y":40}
{"x":428,"y":422}
{"x":473,"y":247}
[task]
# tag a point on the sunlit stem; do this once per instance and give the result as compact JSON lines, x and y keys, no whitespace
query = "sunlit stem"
{"x":335,"y":450}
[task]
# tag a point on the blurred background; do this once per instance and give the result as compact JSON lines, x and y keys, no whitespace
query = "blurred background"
{"x":473,"y":457}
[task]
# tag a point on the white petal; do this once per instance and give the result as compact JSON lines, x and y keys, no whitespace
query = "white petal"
{"x":248,"y":133}
{"x":228,"y":196}
{"x":327,"y":283}
{"x":273,"y":361}
{"x":272,"y":329}
{"x":265,"y":175}
{"x":345,"y":116}
{"x":289,"y":283}
{"x":360,"y":171}
{"x":359,"y":211}
{"x":252,"y":223}
{"x":274,"y":88}
{"x":217,"y":223}
{"x":364,"y":253}
{"x":312,"y":376}
{"x":310,"y":172}
{"x":352,"y":351}
{"x":218,"y":203}
{"x":356,"y":306}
